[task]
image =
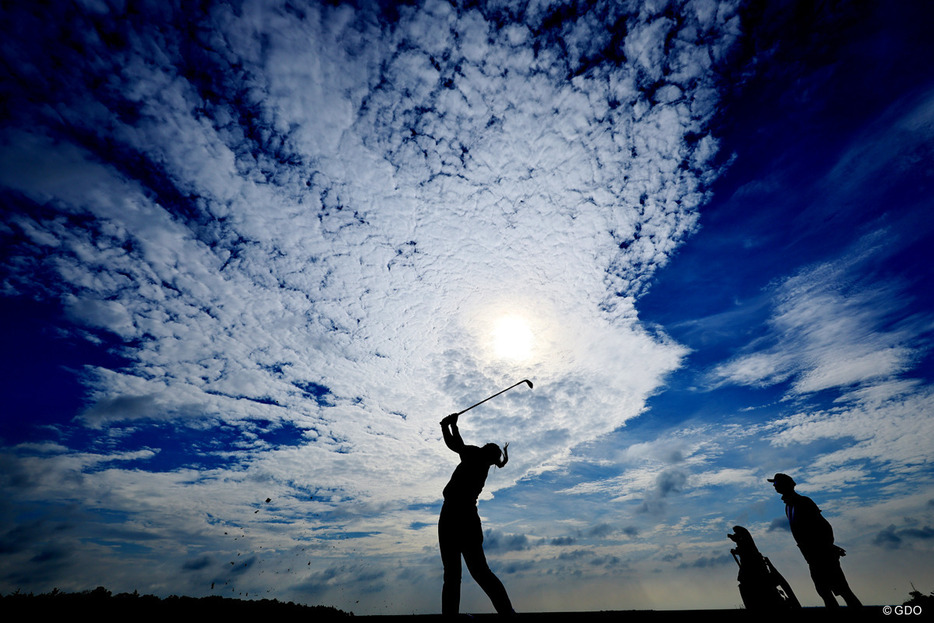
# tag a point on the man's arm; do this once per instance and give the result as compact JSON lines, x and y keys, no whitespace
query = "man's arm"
{"x":452,"y":436}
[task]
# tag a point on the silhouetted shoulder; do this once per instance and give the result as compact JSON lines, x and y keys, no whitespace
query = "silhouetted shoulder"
{"x":470,"y":453}
{"x":805,"y":500}
{"x":803,"y":503}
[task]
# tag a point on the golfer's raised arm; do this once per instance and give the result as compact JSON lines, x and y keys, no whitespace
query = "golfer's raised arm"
{"x":452,"y":436}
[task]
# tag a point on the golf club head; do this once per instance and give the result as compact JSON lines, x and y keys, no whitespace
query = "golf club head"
{"x":528,"y":382}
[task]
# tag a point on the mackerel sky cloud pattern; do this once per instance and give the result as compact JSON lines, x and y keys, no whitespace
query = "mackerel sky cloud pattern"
{"x":323,"y":199}
{"x":279,"y":240}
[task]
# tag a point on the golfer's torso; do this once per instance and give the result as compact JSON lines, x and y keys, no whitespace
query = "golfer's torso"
{"x":468,"y":479}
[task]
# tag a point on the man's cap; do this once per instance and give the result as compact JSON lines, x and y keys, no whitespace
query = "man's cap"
{"x":782,"y":478}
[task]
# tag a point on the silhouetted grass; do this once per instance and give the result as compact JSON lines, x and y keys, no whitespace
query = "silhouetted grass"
{"x":100,"y":601}
{"x":104,"y":606}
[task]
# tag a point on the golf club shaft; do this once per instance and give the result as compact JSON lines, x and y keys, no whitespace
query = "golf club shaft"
{"x":526,"y":381}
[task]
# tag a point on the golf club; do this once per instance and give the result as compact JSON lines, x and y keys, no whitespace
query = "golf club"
{"x":526,"y":381}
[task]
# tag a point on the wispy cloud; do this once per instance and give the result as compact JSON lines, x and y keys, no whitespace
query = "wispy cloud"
{"x":834,"y":326}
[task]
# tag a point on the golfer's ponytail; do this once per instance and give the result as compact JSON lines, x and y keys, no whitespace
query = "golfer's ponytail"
{"x":492,"y":455}
{"x":505,"y":458}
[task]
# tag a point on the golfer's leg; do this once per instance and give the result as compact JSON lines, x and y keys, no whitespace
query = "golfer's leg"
{"x":851,"y":599}
{"x":451,"y":560}
{"x":825,"y":592}
{"x":846,"y":592}
{"x":480,"y":571}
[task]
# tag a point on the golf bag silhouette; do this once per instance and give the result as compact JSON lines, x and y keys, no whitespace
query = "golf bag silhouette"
{"x":761,"y":586}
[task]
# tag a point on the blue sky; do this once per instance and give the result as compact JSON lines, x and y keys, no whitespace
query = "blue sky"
{"x":253,"y":253}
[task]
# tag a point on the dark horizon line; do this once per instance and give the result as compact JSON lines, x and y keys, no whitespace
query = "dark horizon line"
{"x":102,"y":601}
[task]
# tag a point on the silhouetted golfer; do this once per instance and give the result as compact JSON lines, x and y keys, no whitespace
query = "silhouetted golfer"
{"x":459,"y":528}
{"x":814,"y":537}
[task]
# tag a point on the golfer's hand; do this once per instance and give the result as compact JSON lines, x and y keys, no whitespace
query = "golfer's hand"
{"x":451,"y":419}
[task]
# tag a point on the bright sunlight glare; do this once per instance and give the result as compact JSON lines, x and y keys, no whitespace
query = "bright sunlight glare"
{"x":512,"y":338}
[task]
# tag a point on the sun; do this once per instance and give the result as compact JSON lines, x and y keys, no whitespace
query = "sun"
{"x":512,"y":338}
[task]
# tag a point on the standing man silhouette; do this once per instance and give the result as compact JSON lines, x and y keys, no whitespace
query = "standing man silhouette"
{"x":459,"y":530}
{"x":814,"y":536}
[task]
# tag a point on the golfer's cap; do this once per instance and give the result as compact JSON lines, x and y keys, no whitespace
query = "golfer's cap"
{"x":782,"y":478}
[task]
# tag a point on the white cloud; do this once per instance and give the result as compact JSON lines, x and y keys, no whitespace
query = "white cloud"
{"x":890,"y":431}
{"x":344,"y":204}
{"x":397,"y":237}
{"x":834,"y":328}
